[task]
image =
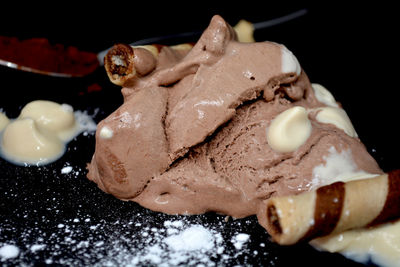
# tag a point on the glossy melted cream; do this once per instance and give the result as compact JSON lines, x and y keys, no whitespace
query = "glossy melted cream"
{"x":40,"y":133}
{"x":380,"y":244}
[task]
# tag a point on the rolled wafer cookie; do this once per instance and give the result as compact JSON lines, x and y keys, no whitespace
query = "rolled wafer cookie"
{"x":334,"y":208}
{"x":124,"y":62}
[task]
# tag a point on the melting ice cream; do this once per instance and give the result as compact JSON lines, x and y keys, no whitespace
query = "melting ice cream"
{"x":222,"y":127}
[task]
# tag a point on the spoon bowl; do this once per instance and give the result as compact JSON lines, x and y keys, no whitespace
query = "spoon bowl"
{"x":16,"y":66}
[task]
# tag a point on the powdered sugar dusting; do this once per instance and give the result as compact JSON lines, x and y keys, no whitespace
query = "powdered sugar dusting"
{"x":174,"y":241}
{"x":177,"y":243}
{"x":239,"y":240}
{"x":8,"y":251}
{"x":193,"y":243}
{"x":66,"y":169}
{"x":195,"y":237}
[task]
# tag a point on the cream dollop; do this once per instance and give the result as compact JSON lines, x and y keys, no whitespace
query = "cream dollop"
{"x":39,"y":134}
{"x":23,"y":142}
{"x":337,"y":117}
{"x":323,"y":95}
{"x":289,"y":130}
{"x":289,"y":61}
{"x":51,"y":117}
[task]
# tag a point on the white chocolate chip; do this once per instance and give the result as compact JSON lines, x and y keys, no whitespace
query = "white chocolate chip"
{"x":289,"y":130}
{"x":324,"y":96}
{"x":289,"y":62}
{"x":337,"y":117}
{"x":106,"y":133}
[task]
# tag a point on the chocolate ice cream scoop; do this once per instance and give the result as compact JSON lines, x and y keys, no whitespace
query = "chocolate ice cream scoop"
{"x":223,"y":127}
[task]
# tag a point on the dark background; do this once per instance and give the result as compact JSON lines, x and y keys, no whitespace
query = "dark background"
{"x":352,"y":51}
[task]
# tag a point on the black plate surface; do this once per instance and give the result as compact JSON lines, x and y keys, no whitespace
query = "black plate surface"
{"x":62,"y":219}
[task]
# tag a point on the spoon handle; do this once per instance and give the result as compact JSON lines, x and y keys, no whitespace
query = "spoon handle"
{"x":196,"y":34}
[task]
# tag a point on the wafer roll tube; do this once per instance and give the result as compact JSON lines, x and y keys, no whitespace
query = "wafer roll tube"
{"x":124,"y":62}
{"x":334,"y":208}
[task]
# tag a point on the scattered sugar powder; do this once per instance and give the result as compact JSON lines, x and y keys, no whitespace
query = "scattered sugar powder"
{"x":8,"y":251}
{"x":66,"y":169}
{"x":85,"y":121}
{"x":131,"y":241}
{"x":195,"y":237}
{"x":239,"y":240}
{"x":37,"y":247}
{"x":176,"y":244}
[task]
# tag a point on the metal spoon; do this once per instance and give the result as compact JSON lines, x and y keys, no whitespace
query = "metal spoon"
{"x":153,"y":40}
